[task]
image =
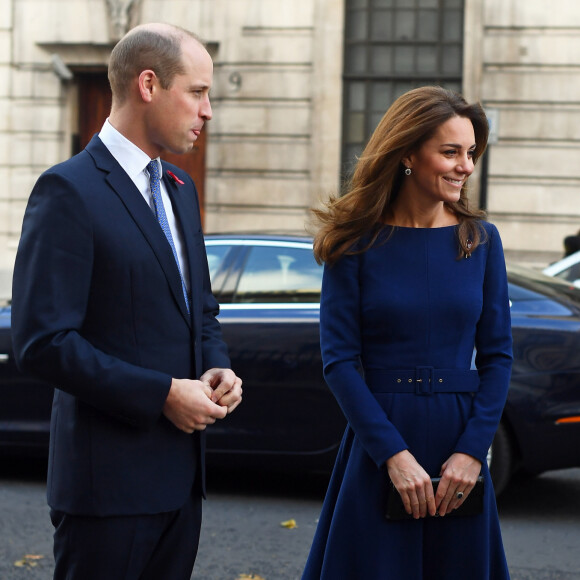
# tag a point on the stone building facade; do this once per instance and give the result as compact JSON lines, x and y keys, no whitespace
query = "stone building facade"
{"x":273,"y":148}
{"x":522,"y":60}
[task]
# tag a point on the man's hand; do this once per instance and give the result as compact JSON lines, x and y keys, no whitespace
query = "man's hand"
{"x":226,"y":387}
{"x":413,"y":484}
{"x":189,"y":406}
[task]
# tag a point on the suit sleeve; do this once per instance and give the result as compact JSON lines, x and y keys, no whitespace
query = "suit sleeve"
{"x":493,"y":360}
{"x":51,"y":290}
{"x":340,"y":338}
{"x":214,"y":351}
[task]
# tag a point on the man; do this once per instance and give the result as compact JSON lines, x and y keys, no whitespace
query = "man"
{"x":112,"y":304}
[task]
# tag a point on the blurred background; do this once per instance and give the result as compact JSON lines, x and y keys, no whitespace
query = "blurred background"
{"x":299,"y":86}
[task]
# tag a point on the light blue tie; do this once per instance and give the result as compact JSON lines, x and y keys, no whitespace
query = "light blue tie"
{"x":153,"y":169}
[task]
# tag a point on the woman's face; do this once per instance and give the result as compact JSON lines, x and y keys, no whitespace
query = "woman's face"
{"x":442,"y":165}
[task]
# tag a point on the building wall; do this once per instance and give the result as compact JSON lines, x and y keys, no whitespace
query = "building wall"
{"x":273,"y":146}
{"x":6,"y":219}
{"x":36,"y":106}
{"x":275,"y":137}
{"x":524,"y":61}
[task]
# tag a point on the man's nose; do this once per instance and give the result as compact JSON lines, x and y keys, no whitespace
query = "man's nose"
{"x":206,"y":111}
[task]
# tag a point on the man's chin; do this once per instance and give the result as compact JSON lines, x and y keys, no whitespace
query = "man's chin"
{"x":187,"y":148}
{"x":190,"y":145}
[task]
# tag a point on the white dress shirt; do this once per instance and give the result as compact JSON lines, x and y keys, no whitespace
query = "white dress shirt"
{"x":134,"y":161}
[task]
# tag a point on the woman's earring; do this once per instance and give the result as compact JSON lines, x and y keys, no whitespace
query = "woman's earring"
{"x":408,"y":171}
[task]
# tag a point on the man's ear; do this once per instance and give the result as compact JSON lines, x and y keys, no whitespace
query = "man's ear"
{"x":147,"y":84}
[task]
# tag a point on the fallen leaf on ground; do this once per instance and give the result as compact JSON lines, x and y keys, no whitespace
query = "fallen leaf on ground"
{"x":290,"y":524}
{"x":28,"y":560}
{"x":249,"y":577}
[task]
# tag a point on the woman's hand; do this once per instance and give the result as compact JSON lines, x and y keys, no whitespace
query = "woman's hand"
{"x":458,"y":476}
{"x":413,"y":484}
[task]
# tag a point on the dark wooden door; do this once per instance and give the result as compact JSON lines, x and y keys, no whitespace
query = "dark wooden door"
{"x":94,"y":107}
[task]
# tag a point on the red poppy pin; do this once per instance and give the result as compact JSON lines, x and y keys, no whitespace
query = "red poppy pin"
{"x":175,"y":178}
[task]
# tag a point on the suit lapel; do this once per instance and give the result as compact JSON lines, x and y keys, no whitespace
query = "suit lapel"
{"x":141,"y":213}
{"x":184,"y":208}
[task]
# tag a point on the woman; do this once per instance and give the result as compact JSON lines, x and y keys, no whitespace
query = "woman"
{"x":413,"y":281}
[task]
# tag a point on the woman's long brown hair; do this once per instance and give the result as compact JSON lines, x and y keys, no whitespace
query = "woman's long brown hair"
{"x":410,"y":121}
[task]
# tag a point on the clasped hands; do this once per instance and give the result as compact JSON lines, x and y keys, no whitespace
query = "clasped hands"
{"x":192,"y":405}
{"x":458,"y":474}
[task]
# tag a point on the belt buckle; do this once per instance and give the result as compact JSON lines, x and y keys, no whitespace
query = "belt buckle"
{"x":424,"y":380}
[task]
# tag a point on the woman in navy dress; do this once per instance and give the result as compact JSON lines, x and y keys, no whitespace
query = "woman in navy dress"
{"x":414,"y":280}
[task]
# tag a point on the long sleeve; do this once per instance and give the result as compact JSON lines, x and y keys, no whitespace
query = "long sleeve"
{"x":493,"y":360}
{"x":340,"y":338}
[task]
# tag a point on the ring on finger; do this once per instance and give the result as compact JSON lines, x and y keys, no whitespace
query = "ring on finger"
{"x":459,"y":495}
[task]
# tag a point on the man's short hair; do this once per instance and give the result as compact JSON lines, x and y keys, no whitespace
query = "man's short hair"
{"x":146,"y":48}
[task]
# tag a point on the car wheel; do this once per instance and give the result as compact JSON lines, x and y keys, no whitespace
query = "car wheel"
{"x":500,"y":459}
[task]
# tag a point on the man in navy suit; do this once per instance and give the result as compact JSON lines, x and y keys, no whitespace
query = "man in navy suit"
{"x":118,"y":314}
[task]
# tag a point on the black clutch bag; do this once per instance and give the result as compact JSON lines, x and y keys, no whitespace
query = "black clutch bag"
{"x":395,"y":510}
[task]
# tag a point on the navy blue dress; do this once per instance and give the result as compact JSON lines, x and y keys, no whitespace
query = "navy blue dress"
{"x":408,"y":302}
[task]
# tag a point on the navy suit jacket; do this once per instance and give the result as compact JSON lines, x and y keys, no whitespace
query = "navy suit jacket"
{"x":98,"y":311}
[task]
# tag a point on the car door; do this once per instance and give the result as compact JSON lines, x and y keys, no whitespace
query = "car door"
{"x":270,"y":317}
{"x":543,"y":402}
{"x":25,"y":402}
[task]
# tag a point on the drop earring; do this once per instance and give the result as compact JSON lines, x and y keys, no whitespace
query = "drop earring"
{"x":408,"y":171}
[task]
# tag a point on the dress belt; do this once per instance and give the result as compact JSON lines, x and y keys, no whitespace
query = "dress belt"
{"x":422,"y":380}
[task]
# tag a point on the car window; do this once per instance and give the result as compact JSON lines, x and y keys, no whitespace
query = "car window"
{"x":533,"y":284}
{"x":519,"y":293}
{"x":215,"y":258}
{"x":570,"y":274}
{"x":279,"y":274}
{"x":531,"y":303}
{"x":533,"y":293}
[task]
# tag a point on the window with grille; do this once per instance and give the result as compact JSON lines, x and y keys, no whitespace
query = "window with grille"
{"x":392,"y":46}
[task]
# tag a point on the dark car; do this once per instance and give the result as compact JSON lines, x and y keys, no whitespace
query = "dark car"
{"x":269,"y":290}
{"x":540,"y":427}
{"x":25,"y":402}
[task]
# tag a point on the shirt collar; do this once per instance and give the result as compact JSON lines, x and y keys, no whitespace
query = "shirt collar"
{"x":132,"y":159}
